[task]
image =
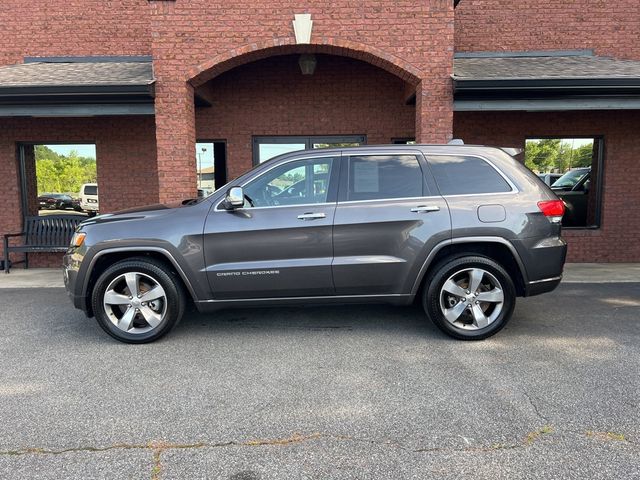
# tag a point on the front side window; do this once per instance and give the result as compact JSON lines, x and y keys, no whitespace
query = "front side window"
{"x":294,"y":183}
{"x":462,"y":175}
{"x":373,"y":177}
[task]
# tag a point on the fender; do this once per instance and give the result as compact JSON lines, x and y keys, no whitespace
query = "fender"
{"x":163,"y":251}
{"x":462,"y":240}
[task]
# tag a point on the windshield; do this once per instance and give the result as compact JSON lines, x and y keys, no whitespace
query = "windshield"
{"x":571,"y":178}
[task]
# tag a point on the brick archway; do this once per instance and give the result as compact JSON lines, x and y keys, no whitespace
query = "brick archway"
{"x":223,"y":62}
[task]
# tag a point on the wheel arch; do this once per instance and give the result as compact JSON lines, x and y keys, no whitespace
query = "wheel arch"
{"x":496,"y":248}
{"x":107,"y":257}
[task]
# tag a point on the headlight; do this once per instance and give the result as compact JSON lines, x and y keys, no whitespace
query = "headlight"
{"x":78,"y":239}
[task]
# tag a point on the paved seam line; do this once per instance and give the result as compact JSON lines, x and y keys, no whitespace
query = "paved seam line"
{"x":296,"y":438}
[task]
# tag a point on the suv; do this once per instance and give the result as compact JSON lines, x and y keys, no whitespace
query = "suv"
{"x":462,"y":229}
{"x":89,"y":198}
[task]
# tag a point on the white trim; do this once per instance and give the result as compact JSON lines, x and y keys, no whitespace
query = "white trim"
{"x":552,"y":279}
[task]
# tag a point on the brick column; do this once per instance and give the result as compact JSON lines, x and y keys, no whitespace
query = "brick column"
{"x":175,"y":140}
{"x":434,"y":93}
{"x":434,"y":110}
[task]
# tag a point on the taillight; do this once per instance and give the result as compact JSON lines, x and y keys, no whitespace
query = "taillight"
{"x":552,"y":209}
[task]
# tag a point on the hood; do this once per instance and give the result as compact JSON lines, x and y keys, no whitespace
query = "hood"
{"x":145,"y":211}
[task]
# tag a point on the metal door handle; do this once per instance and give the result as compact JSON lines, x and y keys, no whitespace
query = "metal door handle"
{"x":311,"y":216}
{"x":425,"y":209}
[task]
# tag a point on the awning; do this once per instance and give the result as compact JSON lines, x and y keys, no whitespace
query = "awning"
{"x":69,"y":87}
{"x":544,"y":81}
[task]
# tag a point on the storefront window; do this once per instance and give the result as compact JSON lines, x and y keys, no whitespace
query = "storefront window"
{"x":572,"y":167}
{"x":65,"y":179}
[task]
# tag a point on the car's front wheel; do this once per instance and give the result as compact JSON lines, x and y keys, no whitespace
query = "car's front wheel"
{"x":138,"y":300}
{"x":469,"y":297}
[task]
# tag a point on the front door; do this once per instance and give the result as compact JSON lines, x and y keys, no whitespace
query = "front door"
{"x":388,"y":218}
{"x":280,"y":243}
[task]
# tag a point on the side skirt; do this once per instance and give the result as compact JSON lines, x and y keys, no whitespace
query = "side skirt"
{"x":396,"y":299}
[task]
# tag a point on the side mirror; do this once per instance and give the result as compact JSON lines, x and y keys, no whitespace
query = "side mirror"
{"x":234,"y":198}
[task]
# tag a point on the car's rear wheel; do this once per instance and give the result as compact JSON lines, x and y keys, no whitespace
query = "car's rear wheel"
{"x":138,"y":300}
{"x":469,"y":297}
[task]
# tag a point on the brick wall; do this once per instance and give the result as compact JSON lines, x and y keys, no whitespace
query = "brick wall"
{"x":272,"y":97}
{"x":193,"y":37}
{"x":617,"y":239}
{"x":609,"y":27}
{"x":73,"y":28}
{"x":126,"y":160}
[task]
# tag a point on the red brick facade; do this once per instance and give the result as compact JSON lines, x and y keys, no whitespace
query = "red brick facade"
{"x":346,"y":97}
{"x":44,"y":28}
{"x":196,"y":40}
{"x":609,"y":27}
{"x":125,"y":148}
{"x":372,"y":57}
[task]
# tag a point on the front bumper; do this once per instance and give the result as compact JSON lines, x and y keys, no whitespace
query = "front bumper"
{"x":70,"y":268}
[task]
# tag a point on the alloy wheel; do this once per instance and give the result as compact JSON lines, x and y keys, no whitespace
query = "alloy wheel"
{"x":471,"y":299}
{"x":135,"y":302}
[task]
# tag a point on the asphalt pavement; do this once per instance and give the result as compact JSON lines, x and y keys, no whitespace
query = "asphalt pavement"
{"x":354,"y":392}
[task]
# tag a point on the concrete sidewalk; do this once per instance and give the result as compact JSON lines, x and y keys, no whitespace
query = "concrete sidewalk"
{"x":573,"y":273}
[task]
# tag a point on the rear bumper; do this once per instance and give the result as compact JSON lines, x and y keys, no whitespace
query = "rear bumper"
{"x":543,"y":260}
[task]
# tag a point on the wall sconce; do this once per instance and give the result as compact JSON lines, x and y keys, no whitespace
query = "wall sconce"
{"x":307,"y":63}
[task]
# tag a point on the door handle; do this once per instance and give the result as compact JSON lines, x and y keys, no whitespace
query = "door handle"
{"x":311,"y":216}
{"x":425,"y":209}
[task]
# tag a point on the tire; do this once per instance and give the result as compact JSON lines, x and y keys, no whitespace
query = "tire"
{"x":467,"y":316}
{"x":129,"y":318}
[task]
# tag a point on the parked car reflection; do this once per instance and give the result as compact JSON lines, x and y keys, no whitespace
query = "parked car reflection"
{"x":55,"y":201}
{"x":573,"y":188}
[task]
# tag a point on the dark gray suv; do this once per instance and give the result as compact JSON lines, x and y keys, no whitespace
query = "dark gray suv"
{"x":464,"y":229}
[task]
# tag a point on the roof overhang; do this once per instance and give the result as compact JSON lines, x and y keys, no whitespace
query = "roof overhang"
{"x":544,"y":81}
{"x":61,"y":87}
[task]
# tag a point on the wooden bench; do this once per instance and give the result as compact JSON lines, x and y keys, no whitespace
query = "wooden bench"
{"x":48,"y":233}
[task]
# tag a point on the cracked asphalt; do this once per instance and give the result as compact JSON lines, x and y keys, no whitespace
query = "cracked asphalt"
{"x":353,"y":392}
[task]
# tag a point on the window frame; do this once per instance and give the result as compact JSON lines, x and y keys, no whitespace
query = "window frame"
{"x":600,"y":165}
{"x":22,"y":166}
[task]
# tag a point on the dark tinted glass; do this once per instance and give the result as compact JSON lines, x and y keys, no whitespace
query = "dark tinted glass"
{"x":90,"y":190}
{"x":458,"y":175}
{"x":373,"y":177}
{"x":293,"y":183}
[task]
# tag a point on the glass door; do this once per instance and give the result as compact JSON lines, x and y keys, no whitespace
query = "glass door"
{"x":268,"y":147}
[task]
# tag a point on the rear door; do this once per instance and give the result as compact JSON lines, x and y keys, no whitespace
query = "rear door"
{"x":280,"y":243}
{"x":389,"y":216}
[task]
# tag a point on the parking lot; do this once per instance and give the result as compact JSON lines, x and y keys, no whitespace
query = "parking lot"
{"x":332,"y":392}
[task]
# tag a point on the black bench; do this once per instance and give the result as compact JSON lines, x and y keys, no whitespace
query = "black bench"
{"x":49,"y":233}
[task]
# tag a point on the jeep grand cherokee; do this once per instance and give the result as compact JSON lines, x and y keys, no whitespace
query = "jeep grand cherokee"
{"x":463,"y":229}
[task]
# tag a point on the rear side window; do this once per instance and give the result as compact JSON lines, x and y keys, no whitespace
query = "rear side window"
{"x":90,"y":190}
{"x":373,"y":177}
{"x":459,"y":175}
